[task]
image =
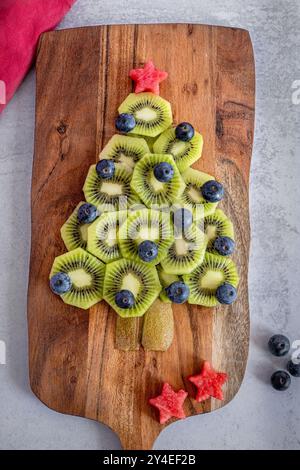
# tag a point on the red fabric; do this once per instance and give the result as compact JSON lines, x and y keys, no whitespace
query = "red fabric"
{"x":21,"y":23}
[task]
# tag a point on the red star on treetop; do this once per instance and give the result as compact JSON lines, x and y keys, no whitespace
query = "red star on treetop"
{"x":208,"y":383}
{"x":169,"y":403}
{"x":148,"y":78}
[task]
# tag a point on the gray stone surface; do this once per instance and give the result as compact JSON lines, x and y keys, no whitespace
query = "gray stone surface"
{"x":259,"y":417}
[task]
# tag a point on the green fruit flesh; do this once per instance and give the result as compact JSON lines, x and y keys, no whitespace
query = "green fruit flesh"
{"x":186,"y":252}
{"x":146,"y":225}
{"x":217,"y":225}
{"x":207,"y":277}
{"x":158,"y":328}
{"x":152,"y":113}
{"x":86,"y":273}
{"x":103,"y":236}
{"x":74,"y":233}
{"x":125,"y":151}
{"x":111,"y":194}
{"x":136,"y":277}
{"x":150,"y":190}
{"x":192,"y":197}
{"x":184,"y":153}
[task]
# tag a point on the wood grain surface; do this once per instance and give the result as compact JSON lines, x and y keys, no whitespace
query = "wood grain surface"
{"x":82,"y":77}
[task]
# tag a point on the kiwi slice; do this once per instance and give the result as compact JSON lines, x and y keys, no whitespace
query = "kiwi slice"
{"x":143,"y":225}
{"x":141,"y":280}
{"x":74,"y":233}
{"x":217,"y":225}
{"x":186,"y":252}
{"x":166,"y":280}
{"x":150,"y":190}
{"x":109,"y":194}
{"x":207,"y":277}
{"x":103,"y":236}
{"x":184,"y":153}
{"x":86,"y":273}
{"x":128,"y":333}
{"x":125,"y":151}
{"x":192,"y":197}
{"x":158,"y":327}
{"x":152,"y":113}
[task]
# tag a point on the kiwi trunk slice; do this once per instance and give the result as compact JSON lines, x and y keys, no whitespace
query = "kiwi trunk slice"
{"x":217,"y":225}
{"x":103,"y":236}
{"x":184,"y":153}
{"x":150,"y":190}
{"x":128,"y":333}
{"x":158,"y":327}
{"x":74,"y":233}
{"x":207,"y":277}
{"x":141,"y":280}
{"x":143,"y":225}
{"x":186,"y":252}
{"x":109,"y":194}
{"x":166,"y":280}
{"x":86,"y":273}
{"x":192,"y":197}
{"x":125,"y":151}
{"x":152,"y":113}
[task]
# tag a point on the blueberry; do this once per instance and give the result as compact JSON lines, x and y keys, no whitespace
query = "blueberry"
{"x":293,"y":368}
{"x":105,"y":169}
{"x":163,"y":172}
{"x":279,"y":345}
{"x":147,"y":250}
{"x":124,"y":299}
{"x":280,"y":380}
{"x":224,"y":245}
{"x":178,"y":292}
{"x":183,"y":219}
{"x":184,"y":131}
{"x":60,"y":283}
{"x":87,"y":213}
{"x":226,"y":293}
{"x":125,"y":122}
{"x":212,"y":191}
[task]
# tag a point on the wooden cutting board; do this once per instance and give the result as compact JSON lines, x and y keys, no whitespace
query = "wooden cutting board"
{"x":82,"y":77}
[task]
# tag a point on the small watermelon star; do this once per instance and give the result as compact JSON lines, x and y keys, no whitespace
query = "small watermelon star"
{"x":169,"y":403}
{"x":209,"y":383}
{"x":148,"y":78}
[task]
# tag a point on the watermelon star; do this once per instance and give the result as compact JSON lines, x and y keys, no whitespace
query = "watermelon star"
{"x":208,"y":383}
{"x":148,"y":78}
{"x":169,"y":403}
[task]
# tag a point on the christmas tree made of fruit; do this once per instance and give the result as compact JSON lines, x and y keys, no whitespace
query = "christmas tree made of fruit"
{"x":149,"y":232}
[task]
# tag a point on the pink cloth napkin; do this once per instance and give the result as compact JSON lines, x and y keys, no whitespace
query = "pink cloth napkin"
{"x":21,"y":23}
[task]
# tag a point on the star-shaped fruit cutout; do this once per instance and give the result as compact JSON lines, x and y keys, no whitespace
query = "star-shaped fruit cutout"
{"x":148,"y":78}
{"x":209,"y":383}
{"x":169,"y":403}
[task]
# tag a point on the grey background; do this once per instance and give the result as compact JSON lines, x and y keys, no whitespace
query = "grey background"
{"x":259,"y":417}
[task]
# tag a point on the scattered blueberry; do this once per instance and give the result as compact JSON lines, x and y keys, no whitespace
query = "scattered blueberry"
{"x":226,"y":293}
{"x":212,"y":191}
{"x":224,"y":245}
{"x":125,"y":122}
{"x":147,"y":250}
{"x":280,"y":380}
{"x":293,"y":368}
{"x":279,"y":345}
{"x":124,"y":299}
{"x":105,"y":169}
{"x":178,"y":292}
{"x":60,"y":283}
{"x":183,"y":219}
{"x":163,"y":172}
{"x":87,"y":213}
{"x":184,"y":131}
